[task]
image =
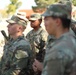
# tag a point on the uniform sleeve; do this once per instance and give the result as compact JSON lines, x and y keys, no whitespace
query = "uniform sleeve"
{"x":57,"y":62}
{"x":20,"y":60}
{"x":21,"y":55}
{"x":55,"y":67}
{"x":44,"y":35}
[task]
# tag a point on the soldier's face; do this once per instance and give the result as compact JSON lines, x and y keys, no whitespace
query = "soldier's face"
{"x":13,"y":28}
{"x":50,"y":25}
{"x":34,"y":23}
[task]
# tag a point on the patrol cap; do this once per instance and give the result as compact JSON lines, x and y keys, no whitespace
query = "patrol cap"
{"x":19,"y":19}
{"x":73,"y":21}
{"x":58,"y":10}
{"x":35,"y":16}
{"x":22,"y":15}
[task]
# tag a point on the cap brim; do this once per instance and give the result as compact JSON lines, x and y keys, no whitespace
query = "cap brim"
{"x":73,"y":21}
{"x":32,"y":19}
{"x":10,"y":21}
{"x":22,"y":17}
{"x":46,"y":13}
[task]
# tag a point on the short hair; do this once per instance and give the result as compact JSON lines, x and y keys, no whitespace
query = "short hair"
{"x":65,"y":22}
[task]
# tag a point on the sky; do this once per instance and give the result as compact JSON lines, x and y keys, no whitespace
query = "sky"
{"x":26,"y":4}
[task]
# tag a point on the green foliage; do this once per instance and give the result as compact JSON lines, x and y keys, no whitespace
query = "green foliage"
{"x":74,"y":2}
{"x":18,"y":5}
{"x":13,"y":1}
{"x":13,"y":6}
{"x":3,"y":13}
{"x":44,"y":2}
{"x":48,"y":2}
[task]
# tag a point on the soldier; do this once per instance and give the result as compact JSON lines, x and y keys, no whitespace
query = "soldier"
{"x":37,"y":37}
{"x":17,"y":52}
{"x":60,"y":57}
{"x":73,"y":26}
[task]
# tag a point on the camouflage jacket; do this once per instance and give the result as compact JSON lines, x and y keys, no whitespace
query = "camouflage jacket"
{"x":17,"y":54}
{"x":37,"y":40}
{"x":60,"y":57}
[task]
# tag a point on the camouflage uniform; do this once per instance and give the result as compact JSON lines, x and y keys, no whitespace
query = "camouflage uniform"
{"x":73,"y":26}
{"x":36,"y":37}
{"x":59,"y":54}
{"x":37,"y":40}
{"x":17,"y":54}
{"x":60,"y":58}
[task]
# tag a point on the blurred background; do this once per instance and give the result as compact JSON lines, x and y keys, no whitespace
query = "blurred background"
{"x":10,"y":7}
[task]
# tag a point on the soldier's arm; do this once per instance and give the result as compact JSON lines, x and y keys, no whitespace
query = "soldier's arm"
{"x":41,"y":46}
{"x":44,"y":36}
{"x":56,"y":63}
{"x":55,"y":67}
{"x":20,"y":60}
{"x":38,"y":65}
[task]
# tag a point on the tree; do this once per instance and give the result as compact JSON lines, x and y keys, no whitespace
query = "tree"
{"x":42,"y":4}
{"x":48,"y":2}
{"x":74,"y":2}
{"x":13,"y":6}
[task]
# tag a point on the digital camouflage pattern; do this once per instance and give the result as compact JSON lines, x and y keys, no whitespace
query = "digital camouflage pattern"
{"x":38,"y":40}
{"x":35,"y":16}
{"x":17,"y":56}
{"x":19,"y":19}
{"x":73,"y":26}
{"x":60,"y":58}
{"x":36,"y":37}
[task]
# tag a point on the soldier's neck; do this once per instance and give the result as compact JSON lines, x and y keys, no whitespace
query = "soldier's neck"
{"x":15,"y":36}
{"x":36,"y":28}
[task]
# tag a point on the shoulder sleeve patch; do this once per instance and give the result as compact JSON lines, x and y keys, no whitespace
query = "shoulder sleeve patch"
{"x":21,"y":54}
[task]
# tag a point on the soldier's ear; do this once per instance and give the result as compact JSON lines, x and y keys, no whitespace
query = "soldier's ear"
{"x":58,"y":21}
{"x":40,"y":20}
{"x":20,"y":27}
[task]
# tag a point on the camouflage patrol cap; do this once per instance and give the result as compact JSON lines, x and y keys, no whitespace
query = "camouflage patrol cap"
{"x":73,"y":21}
{"x":59,"y":10}
{"x":35,"y":16}
{"x":18,"y":19}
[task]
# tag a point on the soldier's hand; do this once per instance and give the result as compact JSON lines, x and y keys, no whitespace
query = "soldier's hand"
{"x":34,"y":67}
{"x":37,"y":65}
